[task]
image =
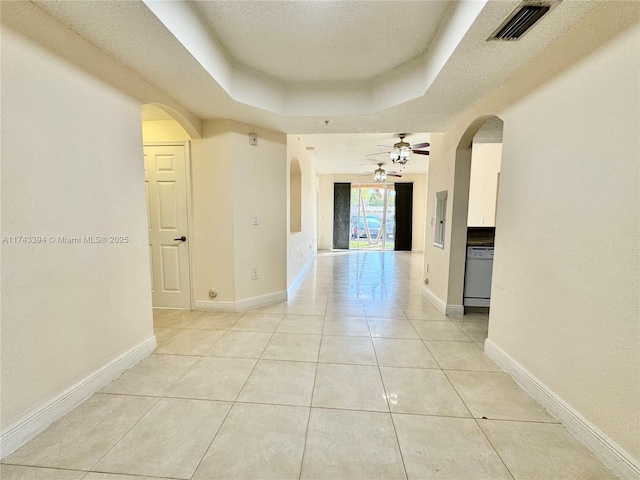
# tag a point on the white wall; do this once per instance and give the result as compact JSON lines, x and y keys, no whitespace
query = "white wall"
{"x":485,"y":166}
{"x":232,"y":182}
{"x":301,"y":246}
{"x":71,"y":166}
{"x":259,"y":189}
{"x":580,"y":329}
{"x":163,"y":131}
{"x":565,"y":281}
{"x":325,"y":221}
{"x":212,"y":193}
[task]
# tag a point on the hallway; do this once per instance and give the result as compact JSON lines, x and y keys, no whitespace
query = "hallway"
{"x":357,"y":376}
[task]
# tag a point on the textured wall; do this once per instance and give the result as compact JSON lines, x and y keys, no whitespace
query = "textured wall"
{"x":71,"y":166}
{"x":565,"y":280}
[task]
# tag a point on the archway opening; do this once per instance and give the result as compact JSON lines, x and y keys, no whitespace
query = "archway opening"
{"x":168,"y":194}
{"x":474,"y":215}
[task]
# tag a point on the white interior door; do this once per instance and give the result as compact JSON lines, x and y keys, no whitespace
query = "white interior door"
{"x":166,"y":185}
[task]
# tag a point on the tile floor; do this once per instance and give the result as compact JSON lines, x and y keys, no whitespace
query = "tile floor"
{"x":356,"y":377}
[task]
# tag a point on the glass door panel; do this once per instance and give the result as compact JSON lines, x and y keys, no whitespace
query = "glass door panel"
{"x":372,"y":217}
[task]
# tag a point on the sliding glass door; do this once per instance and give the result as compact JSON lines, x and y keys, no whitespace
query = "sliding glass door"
{"x":373,"y":214}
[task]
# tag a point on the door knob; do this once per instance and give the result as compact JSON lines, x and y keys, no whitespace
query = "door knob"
{"x":182,"y":239}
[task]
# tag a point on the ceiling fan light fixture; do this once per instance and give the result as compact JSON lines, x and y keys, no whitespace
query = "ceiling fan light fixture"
{"x":379,"y":175}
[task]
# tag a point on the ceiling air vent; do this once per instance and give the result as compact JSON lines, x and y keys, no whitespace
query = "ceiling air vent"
{"x":525,"y":16}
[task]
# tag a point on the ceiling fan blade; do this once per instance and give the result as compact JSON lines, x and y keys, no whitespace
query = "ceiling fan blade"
{"x":421,"y":152}
{"x":386,"y":146}
{"x":420,"y":145}
{"x":381,"y":153}
{"x":393,"y":175}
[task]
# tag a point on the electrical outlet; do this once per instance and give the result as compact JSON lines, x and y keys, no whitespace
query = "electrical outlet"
{"x":254,"y":274}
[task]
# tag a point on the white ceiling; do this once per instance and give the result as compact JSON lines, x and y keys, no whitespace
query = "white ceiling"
{"x":348,"y":153}
{"x":370,"y":67}
{"x":323,"y":40}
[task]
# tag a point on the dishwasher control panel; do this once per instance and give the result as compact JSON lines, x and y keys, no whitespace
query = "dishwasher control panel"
{"x":480,"y":253}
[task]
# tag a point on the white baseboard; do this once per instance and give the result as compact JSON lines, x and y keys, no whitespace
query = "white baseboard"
{"x":604,"y":448}
{"x":37,"y":420}
{"x":300,"y":277}
{"x":260,"y":300}
{"x":433,"y":298}
{"x":215,"y":306}
{"x":455,"y":310}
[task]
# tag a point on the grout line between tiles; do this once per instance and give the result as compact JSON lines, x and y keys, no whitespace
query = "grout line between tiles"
{"x":128,"y":430}
{"x":386,"y":397}
{"x":478,"y":425}
{"x":231,"y":407}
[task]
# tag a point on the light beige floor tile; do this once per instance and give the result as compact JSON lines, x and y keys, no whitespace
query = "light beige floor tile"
{"x":310,"y":324}
{"x":169,"y":441}
{"x":477,"y":331}
{"x":309,"y":296}
{"x":214,"y":378}
{"x":80,"y":438}
{"x":439,"y":447}
{"x":306,"y":308}
{"x":393,"y":352}
{"x":293,"y":346}
{"x":345,"y":309}
{"x":434,"y":330}
{"x":176,"y":318}
{"x":116,"y":476}
{"x":152,"y":376}
{"x":258,"y":322}
{"x":17,"y":472}
{"x":351,"y":326}
{"x":280,"y":307}
{"x":389,"y":310}
{"x":354,"y":387}
{"x":259,"y":442}
{"x":240,"y":345}
{"x":428,"y":392}
{"x":461,"y":356}
{"x":422,"y":312}
{"x":385,"y":328}
{"x":351,"y":350}
{"x":190,"y":342}
{"x":215,"y":320}
{"x":535,"y":451}
{"x":281,"y":383}
{"x":405,"y":299}
{"x":496,"y":396}
{"x":351,"y":445}
{"x":159,"y":312}
{"x":470,"y":317}
{"x":164,"y":334}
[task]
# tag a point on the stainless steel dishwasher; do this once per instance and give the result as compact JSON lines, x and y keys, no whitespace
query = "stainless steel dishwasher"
{"x":477,"y":277}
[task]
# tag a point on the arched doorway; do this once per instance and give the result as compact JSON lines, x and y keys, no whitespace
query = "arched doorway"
{"x":168,"y":192}
{"x":474,"y":214}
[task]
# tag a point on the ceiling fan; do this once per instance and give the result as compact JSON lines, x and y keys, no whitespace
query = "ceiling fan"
{"x":380,"y":174}
{"x":400,"y":150}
